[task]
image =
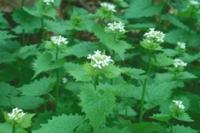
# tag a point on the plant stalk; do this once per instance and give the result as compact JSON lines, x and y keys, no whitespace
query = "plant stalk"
{"x":13,"y":127}
{"x":57,"y":75}
{"x":144,"y":91}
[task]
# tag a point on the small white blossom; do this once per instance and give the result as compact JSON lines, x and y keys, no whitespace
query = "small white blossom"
{"x":194,"y":2}
{"x":181,"y":45}
{"x":16,"y":114}
{"x":179,"y":63}
{"x":64,"y":80}
{"x":48,"y":2}
{"x":108,"y":6}
{"x":157,"y":36}
{"x":99,"y":59}
{"x":179,"y":104}
{"x":116,"y":26}
{"x":59,"y":40}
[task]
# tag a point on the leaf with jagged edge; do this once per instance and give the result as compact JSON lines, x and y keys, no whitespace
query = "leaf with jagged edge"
{"x":161,"y":117}
{"x":44,"y":63}
{"x":96,"y":105}
{"x":139,"y":8}
{"x":61,"y":124}
{"x":183,"y":129}
{"x":38,"y":87}
{"x":134,"y":73}
{"x":107,"y":39}
{"x":77,"y":71}
{"x":27,"y":102}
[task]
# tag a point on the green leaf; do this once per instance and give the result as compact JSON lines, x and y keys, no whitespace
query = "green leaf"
{"x":61,"y":124}
{"x":82,"y":49}
{"x":139,"y":8}
{"x":5,"y":128}
{"x":146,"y":127}
{"x":184,"y":117}
{"x":38,"y":87}
{"x":26,"y":121}
{"x":134,"y":73}
{"x":44,"y":63}
{"x":186,"y":75}
{"x":108,"y":40}
{"x":7,"y":91}
{"x":162,"y":60}
{"x":77,"y":71}
{"x":3,"y":23}
{"x":182,"y":129}
{"x":111,"y":71}
{"x":96,"y":105}
{"x":27,"y":102}
{"x":27,"y":22}
{"x":27,"y":51}
{"x":175,"y":21}
{"x":161,"y":117}
{"x":57,"y":26}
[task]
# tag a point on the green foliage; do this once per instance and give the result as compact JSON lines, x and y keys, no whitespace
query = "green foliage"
{"x":96,"y":105}
{"x":182,"y":129}
{"x":44,"y":63}
{"x":139,"y":9}
{"x":61,"y":124}
{"x":38,"y":87}
{"x":127,"y":66}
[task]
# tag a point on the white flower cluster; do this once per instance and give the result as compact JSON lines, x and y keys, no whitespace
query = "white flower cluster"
{"x":194,"y":2}
{"x":157,"y":36}
{"x":59,"y":40}
{"x":179,"y":63}
{"x":179,"y":104}
{"x":16,"y":114}
{"x":48,"y":2}
{"x":181,"y":45}
{"x":99,"y":59}
{"x":116,"y":26}
{"x":108,"y":6}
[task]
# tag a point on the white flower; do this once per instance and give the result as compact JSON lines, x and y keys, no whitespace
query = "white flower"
{"x":194,"y":2}
{"x":179,"y":104}
{"x":179,"y":63}
{"x":16,"y":114}
{"x":116,"y":26}
{"x":99,"y":59}
{"x":59,"y":40}
{"x":64,"y":80}
{"x":48,"y":2}
{"x":181,"y":45}
{"x":108,"y":6}
{"x":157,"y":36}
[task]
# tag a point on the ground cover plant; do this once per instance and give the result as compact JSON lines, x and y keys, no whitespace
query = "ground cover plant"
{"x":92,"y":66}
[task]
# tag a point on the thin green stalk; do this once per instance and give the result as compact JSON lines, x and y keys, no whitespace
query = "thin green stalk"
{"x":143,"y":91}
{"x":57,"y":75}
{"x":13,"y":127}
{"x":96,"y":81}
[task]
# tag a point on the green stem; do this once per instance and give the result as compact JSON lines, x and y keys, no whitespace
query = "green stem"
{"x":96,"y":81}
{"x":13,"y":127}
{"x":57,"y":75}
{"x":43,"y":37}
{"x":171,"y":130}
{"x":143,"y":91}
